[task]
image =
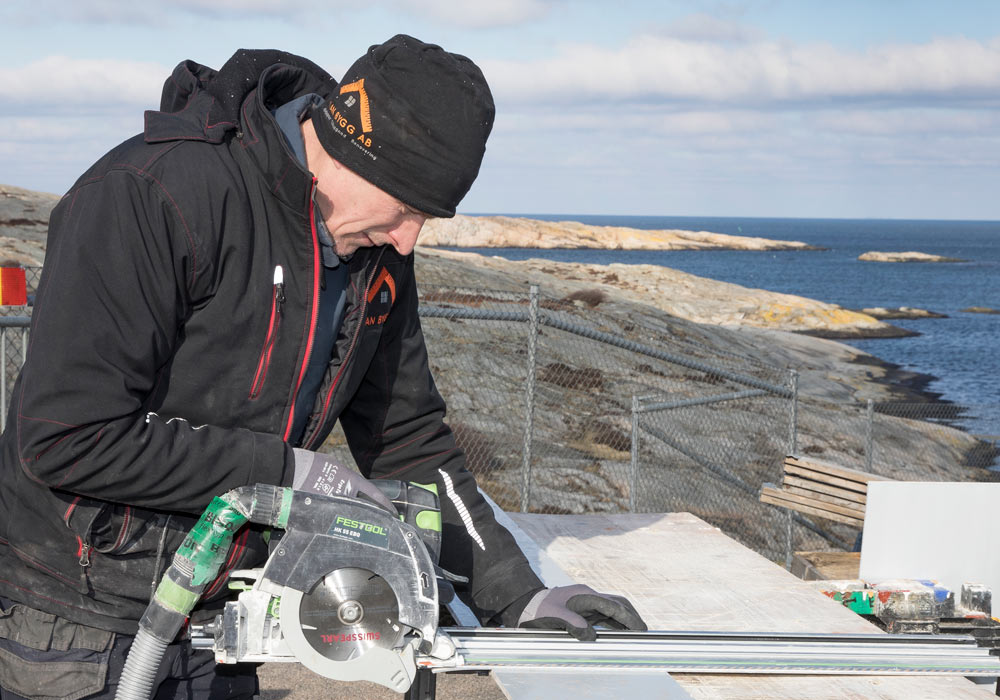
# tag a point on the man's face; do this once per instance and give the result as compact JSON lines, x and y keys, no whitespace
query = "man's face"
{"x":357,"y":213}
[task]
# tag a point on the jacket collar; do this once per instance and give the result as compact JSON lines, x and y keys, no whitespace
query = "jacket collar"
{"x":200,"y":104}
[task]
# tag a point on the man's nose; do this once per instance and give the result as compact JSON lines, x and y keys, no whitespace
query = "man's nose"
{"x":405,"y":235}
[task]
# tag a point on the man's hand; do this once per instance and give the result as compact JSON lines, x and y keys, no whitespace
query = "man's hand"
{"x":318,"y":473}
{"x":577,"y":609}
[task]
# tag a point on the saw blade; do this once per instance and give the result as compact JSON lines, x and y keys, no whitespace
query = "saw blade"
{"x":348,"y":612}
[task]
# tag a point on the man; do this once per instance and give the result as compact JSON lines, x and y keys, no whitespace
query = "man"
{"x":218,"y":291}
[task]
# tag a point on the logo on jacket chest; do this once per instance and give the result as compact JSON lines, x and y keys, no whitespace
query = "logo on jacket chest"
{"x":381,"y":296}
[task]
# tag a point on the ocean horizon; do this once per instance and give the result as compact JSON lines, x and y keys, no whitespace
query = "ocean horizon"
{"x":958,"y":351}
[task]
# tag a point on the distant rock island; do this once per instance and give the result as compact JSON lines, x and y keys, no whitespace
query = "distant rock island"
{"x":514,"y":232}
{"x":907,"y":256}
{"x":981,"y":310}
{"x":902,"y":312}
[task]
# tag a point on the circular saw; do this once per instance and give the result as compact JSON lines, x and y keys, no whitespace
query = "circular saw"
{"x":349,"y":591}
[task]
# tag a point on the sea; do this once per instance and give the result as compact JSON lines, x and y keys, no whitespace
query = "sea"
{"x":960,"y":351}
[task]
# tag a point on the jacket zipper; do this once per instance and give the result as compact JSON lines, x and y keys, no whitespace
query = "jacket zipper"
{"x":277,"y":301}
{"x":315,"y":312}
{"x":350,"y":350}
{"x":84,"y":552}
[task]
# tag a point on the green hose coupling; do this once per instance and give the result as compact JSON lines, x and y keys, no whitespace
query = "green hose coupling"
{"x":207,"y":545}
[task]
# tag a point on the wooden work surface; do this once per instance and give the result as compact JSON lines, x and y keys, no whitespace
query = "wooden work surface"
{"x":683,"y":574}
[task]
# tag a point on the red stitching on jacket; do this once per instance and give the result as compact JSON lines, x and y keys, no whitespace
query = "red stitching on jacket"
{"x":157,"y":155}
{"x":72,"y":202}
{"x":40,"y":565}
{"x":55,"y":444}
{"x":44,"y":597}
{"x":208,"y":113}
{"x":97,"y":439}
{"x":48,"y":420}
{"x":288,"y":167}
{"x":180,"y":214}
{"x":246,"y":121}
{"x":434,"y":433}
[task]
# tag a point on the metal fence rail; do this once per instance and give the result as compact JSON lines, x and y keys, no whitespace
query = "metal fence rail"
{"x":562,"y":408}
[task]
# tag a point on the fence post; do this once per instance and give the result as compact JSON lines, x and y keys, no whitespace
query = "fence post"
{"x":793,"y":448}
{"x":529,"y":398}
{"x":788,"y":539}
{"x":633,"y":474}
{"x":869,"y":442}
{"x":793,"y":418}
{"x":3,"y":378}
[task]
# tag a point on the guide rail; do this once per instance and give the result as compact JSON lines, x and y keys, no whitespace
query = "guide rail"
{"x":717,"y":652}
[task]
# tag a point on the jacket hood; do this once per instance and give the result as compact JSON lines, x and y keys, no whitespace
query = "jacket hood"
{"x":201,"y":104}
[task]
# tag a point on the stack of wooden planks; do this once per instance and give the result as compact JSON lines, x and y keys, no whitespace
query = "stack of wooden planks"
{"x":822,"y":489}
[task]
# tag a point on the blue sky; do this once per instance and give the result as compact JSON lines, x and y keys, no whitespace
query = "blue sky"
{"x":801,"y":108}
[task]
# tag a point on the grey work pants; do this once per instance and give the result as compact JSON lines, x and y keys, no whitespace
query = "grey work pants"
{"x":43,"y":657}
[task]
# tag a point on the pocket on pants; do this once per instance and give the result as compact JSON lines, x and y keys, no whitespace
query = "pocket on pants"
{"x":44,"y":657}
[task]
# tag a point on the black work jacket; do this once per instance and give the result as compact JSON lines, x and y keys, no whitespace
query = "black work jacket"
{"x":164,"y":362}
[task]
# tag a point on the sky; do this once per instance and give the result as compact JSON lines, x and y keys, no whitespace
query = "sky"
{"x":754,"y":108}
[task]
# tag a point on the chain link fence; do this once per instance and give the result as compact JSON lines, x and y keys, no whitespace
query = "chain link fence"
{"x":562,"y":407}
{"x":14,"y":322}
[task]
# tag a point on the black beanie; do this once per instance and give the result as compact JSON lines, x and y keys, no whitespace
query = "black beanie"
{"x":413,"y":120}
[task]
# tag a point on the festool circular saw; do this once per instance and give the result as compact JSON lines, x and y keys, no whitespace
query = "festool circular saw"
{"x":349,"y":591}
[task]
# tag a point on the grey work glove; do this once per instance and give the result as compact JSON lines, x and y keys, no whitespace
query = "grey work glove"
{"x":577,"y":609}
{"x":318,"y":473}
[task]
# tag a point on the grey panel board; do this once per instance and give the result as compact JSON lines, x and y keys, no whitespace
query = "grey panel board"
{"x":576,"y":684}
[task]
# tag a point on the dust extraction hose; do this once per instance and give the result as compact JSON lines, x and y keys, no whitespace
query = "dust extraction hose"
{"x":195,"y":565}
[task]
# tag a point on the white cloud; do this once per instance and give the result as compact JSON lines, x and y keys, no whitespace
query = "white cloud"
{"x":641,"y":120}
{"x":159,"y":13}
{"x":478,"y":15}
{"x":475,"y":15}
{"x":704,"y":27}
{"x":892,"y":122}
{"x":656,"y":68}
{"x":60,"y":84}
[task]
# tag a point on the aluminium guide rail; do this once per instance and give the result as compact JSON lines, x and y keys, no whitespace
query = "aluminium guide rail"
{"x":718,"y":652}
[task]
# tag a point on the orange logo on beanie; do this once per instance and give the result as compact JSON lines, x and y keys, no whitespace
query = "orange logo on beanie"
{"x":358,"y":86}
{"x":342,"y":124}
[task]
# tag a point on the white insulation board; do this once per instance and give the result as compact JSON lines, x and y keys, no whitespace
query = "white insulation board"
{"x":942,"y":531}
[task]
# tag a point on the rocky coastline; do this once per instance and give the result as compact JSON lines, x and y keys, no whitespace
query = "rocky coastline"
{"x":510,"y":232}
{"x":24,"y":224}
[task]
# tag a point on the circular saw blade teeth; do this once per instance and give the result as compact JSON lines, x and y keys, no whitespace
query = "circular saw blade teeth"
{"x":348,"y":612}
